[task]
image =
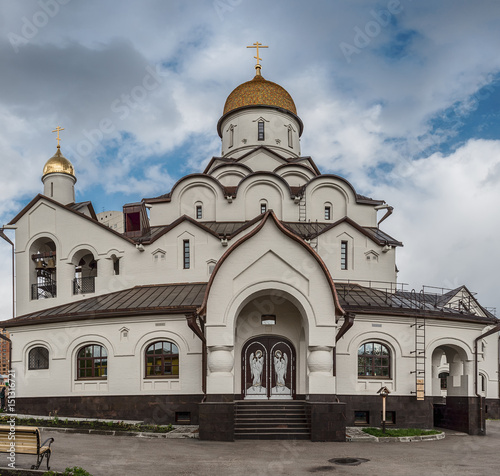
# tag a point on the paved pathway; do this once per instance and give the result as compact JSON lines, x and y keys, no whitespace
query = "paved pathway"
{"x":457,"y":454}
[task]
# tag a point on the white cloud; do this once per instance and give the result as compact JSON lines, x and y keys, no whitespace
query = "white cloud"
{"x":374,"y":110}
{"x":446,"y":215}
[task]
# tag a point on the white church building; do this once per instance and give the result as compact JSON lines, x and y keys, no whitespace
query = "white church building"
{"x":258,"y":299}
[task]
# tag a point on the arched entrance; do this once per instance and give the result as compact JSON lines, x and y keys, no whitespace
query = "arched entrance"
{"x":268,"y":368}
{"x":451,"y":371}
{"x":455,"y":407}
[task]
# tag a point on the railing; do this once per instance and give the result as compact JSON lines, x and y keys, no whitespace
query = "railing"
{"x":84,"y":285}
{"x":388,"y":286}
{"x":395,"y":295}
{"x":44,"y":290}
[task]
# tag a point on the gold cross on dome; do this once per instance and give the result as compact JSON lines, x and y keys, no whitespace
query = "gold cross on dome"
{"x":257,"y":45}
{"x":57,"y":129}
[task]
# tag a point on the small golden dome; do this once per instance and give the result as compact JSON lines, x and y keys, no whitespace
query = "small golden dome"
{"x":259,"y":92}
{"x":58,"y":164}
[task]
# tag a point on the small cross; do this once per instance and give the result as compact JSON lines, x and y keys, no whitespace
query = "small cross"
{"x":257,"y":45}
{"x":57,"y":129}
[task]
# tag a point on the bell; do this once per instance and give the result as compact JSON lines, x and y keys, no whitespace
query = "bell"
{"x":39,"y":265}
{"x":51,"y":264}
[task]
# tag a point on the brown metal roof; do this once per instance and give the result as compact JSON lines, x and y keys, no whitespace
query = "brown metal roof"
{"x":225,"y":228}
{"x":366,"y":300}
{"x":153,"y":299}
{"x":183,"y":298}
{"x":309,"y":230}
{"x":378,"y":235}
{"x":305,"y":230}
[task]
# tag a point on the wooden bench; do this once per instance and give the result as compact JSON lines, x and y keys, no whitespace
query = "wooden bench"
{"x":26,"y":441}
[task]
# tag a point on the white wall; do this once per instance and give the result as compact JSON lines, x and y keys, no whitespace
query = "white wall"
{"x":398,"y":335}
{"x":126,"y":367}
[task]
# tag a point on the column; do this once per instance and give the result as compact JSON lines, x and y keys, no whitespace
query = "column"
{"x":320,"y":365}
{"x":220,"y":378}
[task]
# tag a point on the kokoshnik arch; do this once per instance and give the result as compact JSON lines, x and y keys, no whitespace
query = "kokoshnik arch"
{"x":258,"y":285}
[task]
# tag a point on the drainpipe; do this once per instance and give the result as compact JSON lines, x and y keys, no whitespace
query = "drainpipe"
{"x":482,"y":430}
{"x":388,"y":213}
{"x":348,"y":323}
{"x":6,"y":238}
{"x":193,"y":325}
{"x":10,"y":351}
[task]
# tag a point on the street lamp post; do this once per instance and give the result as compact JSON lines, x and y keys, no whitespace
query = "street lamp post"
{"x":383,"y":392}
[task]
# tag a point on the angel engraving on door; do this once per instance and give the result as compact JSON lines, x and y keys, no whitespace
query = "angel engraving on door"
{"x":268,"y":368}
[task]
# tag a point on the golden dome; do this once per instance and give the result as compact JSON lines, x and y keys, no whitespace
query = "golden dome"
{"x":259,"y":92}
{"x":58,"y":164}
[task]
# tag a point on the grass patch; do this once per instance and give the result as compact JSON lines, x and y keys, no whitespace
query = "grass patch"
{"x":57,"y":422}
{"x":395,"y":432}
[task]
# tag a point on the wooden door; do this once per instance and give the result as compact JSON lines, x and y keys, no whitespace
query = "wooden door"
{"x":268,"y":368}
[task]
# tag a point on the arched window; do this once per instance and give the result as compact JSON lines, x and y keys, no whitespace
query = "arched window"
{"x":328,"y":212}
{"x":43,"y":269}
{"x":85,"y":272}
{"x":199,"y":211}
{"x":263,"y":206}
{"x":116,"y":265}
{"x":374,"y":360}
{"x":38,"y":358}
{"x":162,"y":360}
{"x":92,"y":362}
{"x":483,"y":383}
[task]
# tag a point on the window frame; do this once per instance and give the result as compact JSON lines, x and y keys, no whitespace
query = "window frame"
{"x":116,"y":265}
{"x":390,"y":417}
{"x":358,"y":420}
{"x":231,"y":136}
{"x":483,"y":382}
{"x":199,"y":211}
{"x":186,"y":254}
{"x":38,"y":347}
{"x":92,"y":359}
{"x":344,"y":246}
{"x":328,"y":212}
{"x":261,"y":131}
{"x":169,"y":357}
{"x":372,"y":364}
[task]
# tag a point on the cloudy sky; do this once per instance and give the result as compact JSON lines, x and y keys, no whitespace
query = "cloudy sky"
{"x":401,"y":97}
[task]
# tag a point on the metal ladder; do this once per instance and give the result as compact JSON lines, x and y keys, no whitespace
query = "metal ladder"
{"x":419,"y":354}
{"x":302,"y":208}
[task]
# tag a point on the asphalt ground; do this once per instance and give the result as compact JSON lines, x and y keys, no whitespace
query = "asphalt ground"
{"x":101,"y":455}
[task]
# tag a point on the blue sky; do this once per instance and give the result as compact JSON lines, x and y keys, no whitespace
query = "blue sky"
{"x":401,"y":97}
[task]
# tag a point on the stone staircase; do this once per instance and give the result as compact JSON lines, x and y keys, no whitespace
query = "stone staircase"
{"x":271,"y":420}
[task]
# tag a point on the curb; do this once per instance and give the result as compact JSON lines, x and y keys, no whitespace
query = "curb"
{"x":366,"y":438}
{"x":143,"y":434}
{"x":409,"y":439}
